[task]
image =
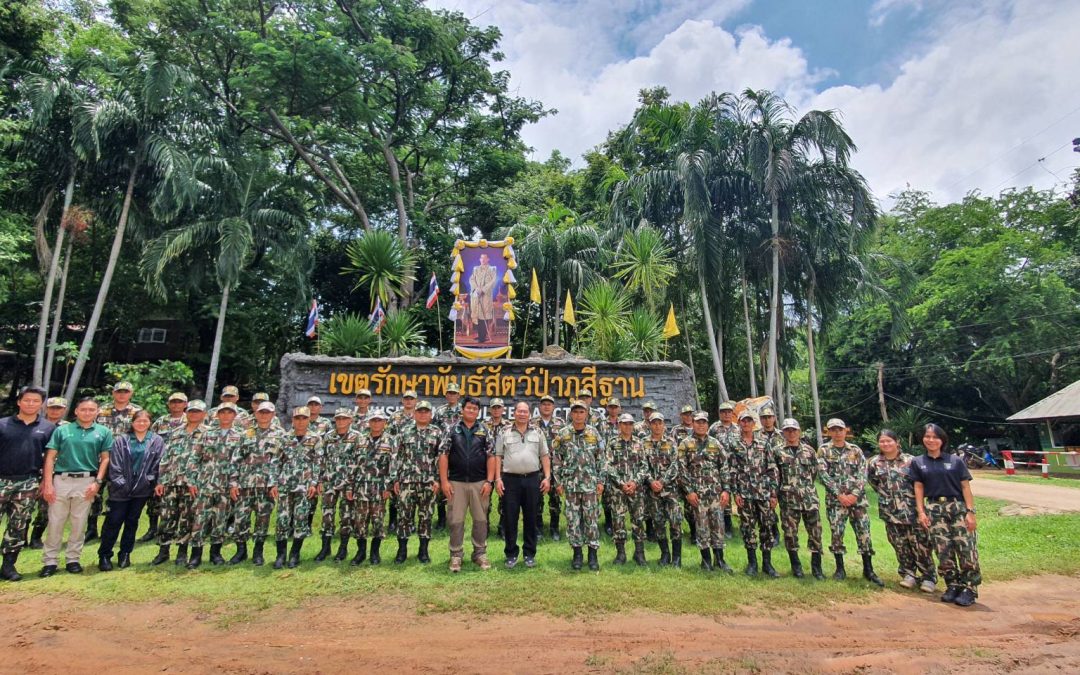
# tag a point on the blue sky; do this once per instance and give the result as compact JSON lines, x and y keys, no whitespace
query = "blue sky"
{"x":943,"y":95}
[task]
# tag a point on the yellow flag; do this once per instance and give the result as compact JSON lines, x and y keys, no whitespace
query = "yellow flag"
{"x":534,"y":289}
{"x":671,"y":329}
{"x":568,"y":311}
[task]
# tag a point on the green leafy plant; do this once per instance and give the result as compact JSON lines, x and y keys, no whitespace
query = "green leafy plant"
{"x":347,"y":335}
{"x":152,"y":383}
{"x":380,"y":263}
{"x":400,"y":335}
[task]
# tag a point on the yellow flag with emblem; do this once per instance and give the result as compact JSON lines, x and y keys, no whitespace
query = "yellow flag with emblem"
{"x":568,"y":311}
{"x":671,"y":329}
{"x":534,"y":289}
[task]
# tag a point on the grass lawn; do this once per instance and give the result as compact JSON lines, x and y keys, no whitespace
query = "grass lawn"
{"x":1010,"y":547}
{"x":1036,"y":479}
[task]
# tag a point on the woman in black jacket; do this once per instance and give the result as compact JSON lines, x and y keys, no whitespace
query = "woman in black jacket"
{"x":133,"y":472}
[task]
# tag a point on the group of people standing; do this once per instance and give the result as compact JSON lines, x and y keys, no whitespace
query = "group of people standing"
{"x":215,"y":476}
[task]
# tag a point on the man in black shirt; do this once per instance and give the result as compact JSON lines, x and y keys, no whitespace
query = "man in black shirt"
{"x":22,"y":456}
{"x":467,"y":476}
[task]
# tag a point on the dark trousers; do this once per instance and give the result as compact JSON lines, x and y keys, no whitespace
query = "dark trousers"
{"x":121,"y":514}
{"x":520,"y":493}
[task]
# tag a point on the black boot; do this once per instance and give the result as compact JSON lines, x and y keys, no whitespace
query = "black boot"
{"x":751,"y":562}
{"x":815,"y":566}
{"x":620,"y":553}
{"x":665,"y":554}
{"x":152,"y":533}
{"x":650,"y":533}
{"x":105,"y":564}
{"x":392,"y":523}
{"x":375,"y":558}
{"x":240,"y":555}
{"x":422,"y":555}
{"x":766,"y":564}
{"x":162,"y":556}
{"x":91,"y":530}
{"x":196,"y":558}
{"x":282,"y":553}
{"x":181,"y":555}
{"x":796,"y":565}
{"x":361,"y":552}
{"x":343,"y":549}
{"x":8,"y":571}
{"x":294,"y":554}
{"x":257,"y":553}
{"x":123,"y":561}
{"x":324,"y":552}
{"x":440,"y":522}
{"x":718,"y":561}
{"x":607,"y":521}
{"x":575,"y":563}
{"x":706,"y":560}
{"x":676,"y":553}
{"x":555,"y":527}
{"x":840,"y":574}
{"x":594,"y":562}
{"x":693,"y":530}
{"x":402,"y":551}
{"x":639,"y":553}
{"x":35,"y":538}
{"x":215,"y":555}
{"x":868,"y":570}
{"x":729,"y":527}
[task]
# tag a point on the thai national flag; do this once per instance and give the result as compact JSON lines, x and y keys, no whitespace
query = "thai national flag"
{"x":432,"y":292}
{"x":378,"y":317}
{"x":312,"y":319}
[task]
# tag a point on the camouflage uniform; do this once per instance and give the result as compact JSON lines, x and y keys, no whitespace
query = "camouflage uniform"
{"x":578,"y":465}
{"x":295,"y":473}
{"x":399,"y":420}
{"x":663,"y":463}
{"x":446,"y":416}
{"x":704,"y":469}
{"x":320,"y":426}
{"x":550,"y":429}
{"x":17,"y":497}
{"x":163,"y":426}
{"x":415,"y":467}
{"x":210,"y":469}
{"x":119,"y":423}
{"x":370,"y":479}
{"x":625,"y":461}
{"x":243,"y":420}
{"x":891,"y":479}
{"x":493,"y":431}
{"x":724,"y":434}
{"x":360,"y":420}
{"x":680,"y":432}
{"x":175,"y":474}
{"x":842,"y":470}
{"x":338,"y":451}
{"x":798,"y":495}
{"x":252,"y":473}
{"x":754,"y":478}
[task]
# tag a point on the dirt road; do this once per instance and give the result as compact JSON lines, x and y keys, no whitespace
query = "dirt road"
{"x":1045,"y":498}
{"x":1031,"y":625}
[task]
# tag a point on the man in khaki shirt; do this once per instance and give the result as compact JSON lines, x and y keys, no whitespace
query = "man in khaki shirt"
{"x":521,"y":454}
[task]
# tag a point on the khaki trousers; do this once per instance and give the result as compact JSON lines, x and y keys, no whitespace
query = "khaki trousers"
{"x":70,"y":505}
{"x":467,"y":497}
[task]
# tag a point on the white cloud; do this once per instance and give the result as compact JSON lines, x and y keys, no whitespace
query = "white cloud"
{"x":881,"y":9}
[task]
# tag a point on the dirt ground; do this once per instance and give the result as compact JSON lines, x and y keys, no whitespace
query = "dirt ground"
{"x":1032,"y":625}
{"x":1033,"y":499}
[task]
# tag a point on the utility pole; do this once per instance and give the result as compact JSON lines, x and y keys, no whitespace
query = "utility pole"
{"x":881,"y":391}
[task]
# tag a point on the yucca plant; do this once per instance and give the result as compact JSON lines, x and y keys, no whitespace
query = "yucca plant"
{"x":645,"y":335}
{"x":381,"y":264}
{"x":348,"y":335}
{"x":644,"y":262}
{"x":605,"y":314}
{"x":400,"y":335}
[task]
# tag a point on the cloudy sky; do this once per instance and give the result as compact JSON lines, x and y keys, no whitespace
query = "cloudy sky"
{"x":943,"y":95}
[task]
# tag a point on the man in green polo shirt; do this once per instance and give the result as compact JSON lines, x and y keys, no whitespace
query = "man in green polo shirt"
{"x":76,"y":459}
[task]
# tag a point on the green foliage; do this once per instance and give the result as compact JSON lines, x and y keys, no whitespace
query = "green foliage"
{"x":400,"y":334}
{"x":644,"y":262}
{"x":380,"y":262}
{"x":152,"y":382}
{"x":604,"y":317}
{"x":347,"y":334}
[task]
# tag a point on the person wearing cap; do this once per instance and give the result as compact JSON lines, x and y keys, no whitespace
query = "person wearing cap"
{"x":209,"y":485}
{"x":403,"y":416}
{"x":368,"y":487}
{"x":164,"y":426}
{"x":76,"y":462}
{"x":523,"y":467}
{"x":339,"y":448}
{"x":754,"y":484}
{"x":467,"y":477}
{"x":578,"y":465}
{"x":251,"y":475}
{"x":176,"y":519}
{"x":230,"y":394}
{"x":56,"y":408}
{"x":449,"y":413}
{"x":773,"y":440}
{"x":627,"y":472}
{"x":609,"y":433}
{"x":683,"y":430}
{"x":414,"y":471}
{"x":889,"y":473}
{"x":23,"y":438}
{"x":663,"y":495}
{"x":796,"y":463}
{"x":55,"y":411}
{"x":116,"y":416}
{"x":496,"y":424}
{"x":318,"y":425}
{"x":595,"y":416}
{"x":295,"y":487}
{"x":546,"y":421}
{"x":725,"y":426}
{"x":258,"y":399}
{"x":641,"y":428}
{"x":842,"y":470}
{"x":704,"y":476}
{"x":360,"y":412}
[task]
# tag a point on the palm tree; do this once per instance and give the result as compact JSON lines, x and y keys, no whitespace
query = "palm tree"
{"x":605,"y":315}
{"x":644,"y":261}
{"x":382,"y":263}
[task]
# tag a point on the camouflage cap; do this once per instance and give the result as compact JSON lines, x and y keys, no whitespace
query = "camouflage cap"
{"x":453,"y":388}
{"x":835,"y":423}
{"x":343,"y":412}
{"x":314,"y":399}
{"x":656,"y":417}
{"x":578,"y":403}
{"x":177,"y":396}
{"x":57,"y":402}
{"x":767,"y":411}
{"x":746,"y":414}
{"x":227,"y":405}
{"x":196,"y":406}
{"x":726,"y":405}
{"x":614,"y":402}
{"x":701,"y":416}
{"x":260,"y":396}
{"x":363,"y":392}
{"x":585,"y":392}
{"x":266,"y":406}
{"x":545,"y":397}
{"x":409,"y":393}
{"x":686,"y":409}
{"x":123,"y":386}
{"x":626,"y":418}
{"x":230,"y":391}
{"x":496,"y":403}
{"x":301,"y":411}
{"x":379,"y":414}
{"x":648,"y":405}
{"x":789,"y":423}
{"x":423,"y":405}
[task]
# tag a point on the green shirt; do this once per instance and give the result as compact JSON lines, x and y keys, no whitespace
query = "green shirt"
{"x":79,"y":449}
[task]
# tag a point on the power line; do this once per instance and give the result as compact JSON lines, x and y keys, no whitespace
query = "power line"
{"x":1002,"y":322}
{"x":956,"y":417}
{"x":855,"y":405}
{"x":1031,"y":166}
{"x":931,"y":367}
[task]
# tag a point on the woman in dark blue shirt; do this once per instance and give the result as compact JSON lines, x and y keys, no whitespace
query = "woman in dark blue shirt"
{"x":133,"y":471}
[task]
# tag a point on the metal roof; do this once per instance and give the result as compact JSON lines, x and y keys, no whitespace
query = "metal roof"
{"x":1060,"y":404}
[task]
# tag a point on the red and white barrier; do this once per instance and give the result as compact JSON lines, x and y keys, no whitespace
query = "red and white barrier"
{"x":1043,"y":464}
{"x":1010,"y":467}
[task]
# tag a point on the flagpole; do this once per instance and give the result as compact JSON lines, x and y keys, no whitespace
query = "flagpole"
{"x":438,"y":311}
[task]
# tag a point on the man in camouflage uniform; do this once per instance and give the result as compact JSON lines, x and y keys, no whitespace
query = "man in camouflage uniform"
{"x":705,"y":477}
{"x":209,"y":484}
{"x":116,"y":417}
{"x":295,"y":487}
{"x":609,"y":432}
{"x":662,"y":483}
{"x":339,"y":446}
{"x":403,"y":416}
{"x":23,"y":438}
{"x":641,"y":428}
{"x":595,"y":414}
{"x":547,"y":422}
{"x":164,"y":426}
{"x":798,"y":472}
{"x":754,"y":483}
{"x":449,"y":413}
{"x":230,"y":394}
{"x":258,"y":399}
{"x":318,"y":425}
{"x":360,"y":412}
{"x":724,"y":430}
{"x":683,"y":430}
{"x":773,"y":440}
{"x":842,"y":469}
{"x":177,"y":516}
{"x":55,"y":412}
{"x":250,"y":479}
{"x":578,"y":464}
{"x":889,"y":473}
{"x":414,"y":470}
{"x":627,"y":472}
{"x":369,"y":486}
{"x":495,"y":425}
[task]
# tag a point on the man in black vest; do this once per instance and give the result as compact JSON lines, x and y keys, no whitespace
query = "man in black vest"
{"x":467,"y":476}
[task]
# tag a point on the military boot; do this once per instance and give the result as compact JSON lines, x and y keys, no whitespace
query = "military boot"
{"x":181,"y":555}
{"x":361,"y":551}
{"x":375,"y":558}
{"x":676,"y":553}
{"x":868,"y":570}
{"x":282,"y":553}
{"x":240,"y":555}
{"x":608,"y":530}
{"x":693,"y":530}
{"x":620,"y":553}
{"x":839,"y":574}
{"x":815,"y":566}
{"x":343,"y":549}
{"x":575,"y":563}
{"x":718,"y":561}
{"x":594,"y":562}
{"x":706,"y":560}
{"x":729,"y":527}
{"x":639,"y":553}
{"x":392,"y":522}
{"x":257,"y":553}
{"x":766,"y":564}
{"x":796,"y":564}
{"x":162,"y":556}
{"x":324,"y":552}
{"x":751,"y":562}
{"x":35,"y":537}
{"x":440,"y":522}
{"x":8,"y":571}
{"x":422,"y":555}
{"x":555,"y":527}
{"x":650,"y":533}
{"x":665,"y":554}
{"x":294,"y":554}
{"x":402,"y":551}
{"x":196,"y":558}
{"x":152,"y":533}
{"x":123,"y":561}
{"x":215,"y":555}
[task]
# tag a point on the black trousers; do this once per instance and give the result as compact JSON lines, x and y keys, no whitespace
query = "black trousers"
{"x":124,"y":514}
{"x":520,"y":493}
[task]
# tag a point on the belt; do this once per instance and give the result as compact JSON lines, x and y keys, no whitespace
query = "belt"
{"x":943,"y":500}
{"x":76,"y":474}
{"x":522,"y":475}
{"x":21,"y":476}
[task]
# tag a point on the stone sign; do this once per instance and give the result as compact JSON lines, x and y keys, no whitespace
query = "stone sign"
{"x":337,"y":379}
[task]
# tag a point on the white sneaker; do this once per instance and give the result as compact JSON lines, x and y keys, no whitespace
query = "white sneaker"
{"x":928,"y":586}
{"x":908,"y":582}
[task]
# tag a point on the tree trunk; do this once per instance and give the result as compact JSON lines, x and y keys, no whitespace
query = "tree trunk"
{"x":813,"y":363}
{"x":103,"y":290}
{"x":716,"y":344}
{"x":403,"y":216}
{"x":544,"y":321}
{"x":689,"y":351}
{"x":50,"y":357}
{"x":558,"y":313}
{"x":774,"y":299}
{"x":215,"y":355}
{"x":41,"y":244}
{"x":50,"y":280}
{"x":749,"y":338}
